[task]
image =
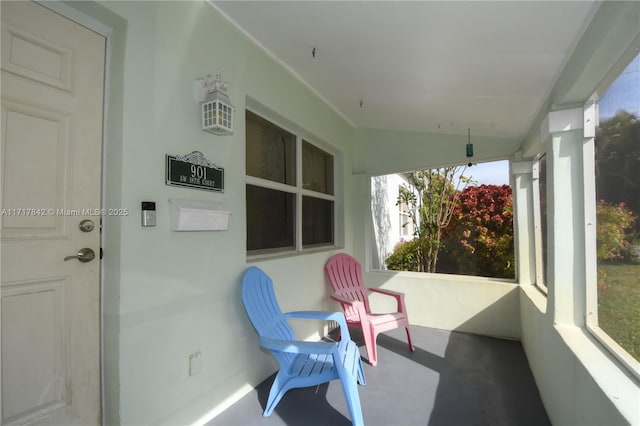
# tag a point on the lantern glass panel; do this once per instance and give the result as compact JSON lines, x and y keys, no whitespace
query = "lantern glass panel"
{"x":217,"y":117}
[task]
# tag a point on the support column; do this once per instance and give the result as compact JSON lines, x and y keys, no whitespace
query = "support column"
{"x":362,"y":229}
{"x":565,"y":207}
{"x":522,"y":186}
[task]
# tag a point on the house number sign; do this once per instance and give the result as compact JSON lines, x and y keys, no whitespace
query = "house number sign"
{"x":194,"y":171}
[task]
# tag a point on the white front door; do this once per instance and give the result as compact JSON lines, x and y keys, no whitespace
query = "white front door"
{"x":52,"y":97}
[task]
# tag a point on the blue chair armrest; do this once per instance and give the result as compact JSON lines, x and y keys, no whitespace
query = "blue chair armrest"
{"x":319,"y":315}
{"x":324,"y":315}
{"x":298,"y":346}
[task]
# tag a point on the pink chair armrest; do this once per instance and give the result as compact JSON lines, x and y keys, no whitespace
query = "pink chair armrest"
{"x":355,"y":304}
{"x":396,"y":294}
{"x":346,"y":300}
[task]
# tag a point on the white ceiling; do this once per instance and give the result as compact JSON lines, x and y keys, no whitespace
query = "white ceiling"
{"x":426,"y":66}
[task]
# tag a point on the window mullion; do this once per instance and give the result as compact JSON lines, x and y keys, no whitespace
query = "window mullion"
{"x":591,"y":257}
{"x":298,"y":222}
{"x":265,"y":183}
{"x":537,"y":225}
{"x":315,"y":194}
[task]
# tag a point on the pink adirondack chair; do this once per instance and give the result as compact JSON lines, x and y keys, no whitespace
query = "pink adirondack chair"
{"x":345,"y":275}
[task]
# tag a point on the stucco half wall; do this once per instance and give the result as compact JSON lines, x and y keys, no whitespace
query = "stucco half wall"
{"x":478,"y":305}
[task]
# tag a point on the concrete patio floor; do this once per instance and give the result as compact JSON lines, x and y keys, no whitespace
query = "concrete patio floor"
{"x":452,"y":378}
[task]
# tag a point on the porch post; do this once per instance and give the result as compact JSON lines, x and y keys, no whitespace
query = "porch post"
{"x":563,"y":134}
{"x":523,"y":229}
{"x":362,"y":231}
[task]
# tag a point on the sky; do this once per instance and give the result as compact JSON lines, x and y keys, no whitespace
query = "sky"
{"x":624,"y":92}
{"x":493,"y":173}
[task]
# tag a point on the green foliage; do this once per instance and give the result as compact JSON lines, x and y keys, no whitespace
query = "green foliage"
{"x":617,"y":186}
{"x":618,"y":160}
{"x":404,"y":256}
{"x":619,"y":304}
{"x":615,"y":224}
{"x":430,"y":199}
{"x":477,"y":238}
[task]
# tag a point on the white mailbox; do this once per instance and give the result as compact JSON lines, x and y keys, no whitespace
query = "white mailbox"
{"x":194,"y":215}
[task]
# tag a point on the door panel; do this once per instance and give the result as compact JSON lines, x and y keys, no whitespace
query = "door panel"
{"x":36,"y":136}
{"x":52,"y":96}
{"x":44,"y":352}
{"x":35,"y":58}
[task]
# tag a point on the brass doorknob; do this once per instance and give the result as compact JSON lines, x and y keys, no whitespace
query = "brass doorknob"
{"x":83,"y":255}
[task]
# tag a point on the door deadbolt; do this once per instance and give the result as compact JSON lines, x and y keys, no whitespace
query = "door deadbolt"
{"x":86,"y":225}
{"x":83,"y":255}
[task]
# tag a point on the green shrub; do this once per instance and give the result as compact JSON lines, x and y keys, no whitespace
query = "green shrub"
{"x":404,"y":257}
{"x":615,"y":226}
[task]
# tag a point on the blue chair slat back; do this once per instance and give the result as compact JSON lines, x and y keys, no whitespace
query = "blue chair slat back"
{"x":263,"y":310}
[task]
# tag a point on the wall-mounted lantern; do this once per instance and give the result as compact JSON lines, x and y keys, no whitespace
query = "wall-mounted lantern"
{"x":215,"y":106}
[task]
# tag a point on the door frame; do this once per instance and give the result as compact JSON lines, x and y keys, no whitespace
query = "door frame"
{"x":105,"y":31}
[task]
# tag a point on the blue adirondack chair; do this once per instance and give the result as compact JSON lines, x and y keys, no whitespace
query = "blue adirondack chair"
{"x":302,"y":363}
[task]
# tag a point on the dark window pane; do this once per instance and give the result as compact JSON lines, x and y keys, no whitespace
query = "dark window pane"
{"x":270,"y":218}
{"x":271,"y":151}
{"x":317,"y":169}
{"x":317,"y":221}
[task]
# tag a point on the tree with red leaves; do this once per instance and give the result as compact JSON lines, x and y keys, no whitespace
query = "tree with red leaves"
{"x":479,"y":238}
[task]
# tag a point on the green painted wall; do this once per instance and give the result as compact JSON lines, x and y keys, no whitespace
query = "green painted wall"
{"x":379,"y":152}
{"x":169,"y":294}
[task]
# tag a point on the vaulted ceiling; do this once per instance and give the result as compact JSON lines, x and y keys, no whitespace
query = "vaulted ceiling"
{"x":425,"y":66}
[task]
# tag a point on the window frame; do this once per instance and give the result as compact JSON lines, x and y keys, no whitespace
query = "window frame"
{"x":591,"y":121}
{"x":404,"y":218}
{"x":301,"y":136}
{"x":540,"y":283}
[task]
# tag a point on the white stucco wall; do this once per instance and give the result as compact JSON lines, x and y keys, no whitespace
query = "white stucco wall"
{"x":475,"y":305}
{"x":385,"y":218}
